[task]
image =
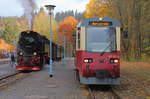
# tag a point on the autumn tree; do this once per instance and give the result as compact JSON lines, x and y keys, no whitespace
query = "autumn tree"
{"x":67,"y":28}
{"x":98,"y":8}
{"x":60,"y":16}
{"x":5,"y":46}
{"x":11,"y":30}
{"x":22,"y":23}
{"x":42,"y":25}
{"x":134,"y":17}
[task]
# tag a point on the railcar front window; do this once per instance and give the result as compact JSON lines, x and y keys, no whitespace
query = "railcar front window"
{"x":101,"y":39}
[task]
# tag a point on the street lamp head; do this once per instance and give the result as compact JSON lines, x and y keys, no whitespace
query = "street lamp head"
{"x":50,"y":7}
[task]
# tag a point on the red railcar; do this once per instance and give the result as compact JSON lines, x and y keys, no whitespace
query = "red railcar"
{"x":98,"y":51}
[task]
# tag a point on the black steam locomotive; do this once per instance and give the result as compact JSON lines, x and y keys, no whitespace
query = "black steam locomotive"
{"x":33,"y":51}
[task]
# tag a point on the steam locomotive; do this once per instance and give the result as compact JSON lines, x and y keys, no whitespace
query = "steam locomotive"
{"x":33,"y":51}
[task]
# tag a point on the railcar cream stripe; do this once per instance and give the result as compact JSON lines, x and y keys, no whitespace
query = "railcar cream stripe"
{"x":82,"y":42}
{"x":118,"y":38}
{"x":76,"y":39}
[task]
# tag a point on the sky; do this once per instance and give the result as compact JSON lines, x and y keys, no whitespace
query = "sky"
{"x":14,"y":8}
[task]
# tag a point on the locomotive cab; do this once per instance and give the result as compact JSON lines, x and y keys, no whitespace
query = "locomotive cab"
{"x":98,"y":51}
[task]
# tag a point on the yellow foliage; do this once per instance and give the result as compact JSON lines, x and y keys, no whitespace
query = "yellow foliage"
{"x":22,"y":23}
{"x":68,"y":25}
{"x":42,"y":25}
{"x":5,"y":46}
{"x":98,"y":8}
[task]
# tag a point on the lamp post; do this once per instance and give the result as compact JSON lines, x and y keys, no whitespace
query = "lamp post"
{"x":50,"y":8}
{"x":64,"y":45}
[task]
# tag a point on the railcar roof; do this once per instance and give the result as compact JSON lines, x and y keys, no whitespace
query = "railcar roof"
{"x":85,"y":23}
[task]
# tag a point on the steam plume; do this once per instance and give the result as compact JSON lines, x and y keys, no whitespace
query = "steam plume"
{"x":29,"y":9}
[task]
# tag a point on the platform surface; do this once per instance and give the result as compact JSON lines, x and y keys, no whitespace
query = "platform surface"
{"x":6,"y":69}
{"x":63,"y":85}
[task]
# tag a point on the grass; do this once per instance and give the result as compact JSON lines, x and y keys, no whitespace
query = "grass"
{"x":139,"y":71}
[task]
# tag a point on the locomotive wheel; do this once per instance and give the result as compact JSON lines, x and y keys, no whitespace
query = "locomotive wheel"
{"x":42,"y":63}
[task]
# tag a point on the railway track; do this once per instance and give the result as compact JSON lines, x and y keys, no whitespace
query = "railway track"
{"x":11,"y":78}
{"x":9,"y":75}
{"x":116,"y":96}
{"x":102,"y":92}
{"x":91,"y":95}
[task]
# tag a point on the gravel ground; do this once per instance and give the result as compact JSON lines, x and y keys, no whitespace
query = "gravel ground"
{"x":135,"y":82}
{"x":131,"y":89}
{"x":63,"y":85}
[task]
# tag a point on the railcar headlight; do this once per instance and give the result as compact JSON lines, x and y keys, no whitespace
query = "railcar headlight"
{"x":35,"y":53}
{"x":86,"y":60}
{"x":90,"y":60}
{"x":116,"y":60}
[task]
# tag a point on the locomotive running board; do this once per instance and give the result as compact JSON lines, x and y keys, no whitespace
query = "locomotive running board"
{"x":98,"y":81}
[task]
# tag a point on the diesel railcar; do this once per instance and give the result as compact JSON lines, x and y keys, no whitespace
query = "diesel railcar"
{"x":97,"y":58}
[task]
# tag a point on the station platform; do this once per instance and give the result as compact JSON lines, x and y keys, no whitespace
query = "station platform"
{"x":38,"y":85}
{"x":4,"y":61}
{"x":6,"y":69}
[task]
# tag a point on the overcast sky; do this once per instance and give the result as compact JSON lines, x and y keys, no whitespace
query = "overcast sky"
{"x":13,"y":7}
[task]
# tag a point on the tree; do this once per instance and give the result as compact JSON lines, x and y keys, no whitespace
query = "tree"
{"x":98,"y":8}
{"x":68,"y":26}
{"x":11,"y":30}
{"x":42,"y":25}
{"x":22,"y":23}
{"x":134,"y":16}
{"x":5,"y":46}
{"x":60,"y":16}
{"x":67,"y":29}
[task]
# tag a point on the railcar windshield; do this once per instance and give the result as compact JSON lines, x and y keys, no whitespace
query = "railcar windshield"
{"x":101,"y":39}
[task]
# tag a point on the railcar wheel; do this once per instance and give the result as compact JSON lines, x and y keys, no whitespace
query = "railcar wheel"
{"x":77,"y":75}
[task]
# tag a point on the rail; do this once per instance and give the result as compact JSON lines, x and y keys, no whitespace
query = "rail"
{"x":106,"y":90}
{"x":10,"y":78}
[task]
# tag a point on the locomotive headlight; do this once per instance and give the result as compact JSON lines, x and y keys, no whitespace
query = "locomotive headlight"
{"x":100,"y":19}
{"x":86,"y":60}
{"x":35,"y":53}
{"x":20,"y":53}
